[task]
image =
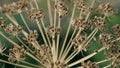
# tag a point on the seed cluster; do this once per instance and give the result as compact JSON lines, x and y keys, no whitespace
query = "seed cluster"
{"x":112,"y":45}
{"x":80,"y":23}
{"x":15,"y":7}
{"x":116,"y":30}
{"x":81,"y":6}
{"x":53,"y":31}
{"x":44,"y":55}
{"x":78,"y":41}
{"x":61,"y":8}
{"x":99,"y":23}
{"x":106,"y":39}
{"x":16,"y":54}
{"x":58,"y":64}
{"x":35,"y":14}
{"x":13,"y":30}
{"x":89,"y":64}
{"x":32,"y":36}
{"x":106,"y":8}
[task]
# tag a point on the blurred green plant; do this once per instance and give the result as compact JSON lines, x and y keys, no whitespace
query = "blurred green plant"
{"x":59,"y":34}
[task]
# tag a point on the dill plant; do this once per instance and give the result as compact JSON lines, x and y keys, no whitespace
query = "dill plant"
{"x":54,"y":52}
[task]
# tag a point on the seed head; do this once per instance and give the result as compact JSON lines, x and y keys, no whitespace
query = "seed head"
{"x":15,"y":7}
{"x":99,"y":23}
{"x":35,"y":14}
{"x":80,"y":23}
{"x":81,"y":6}
{"x":116,"y":30}
{"x":16,"y":54}
{"x":106,"y":9}
{"x":89,"y":64}
{"x":32,"y":36}
{"x":61,"y":8}
{"x":13,"y":30}
{"x":78,"y":41}
{"x":53,"y":31}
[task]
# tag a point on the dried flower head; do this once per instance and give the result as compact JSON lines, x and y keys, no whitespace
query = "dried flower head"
{"x":89,"y":64}
{"x":61,"y":8}
{"x":106,"y":39}
{"x":44,"y":55}
{"x":114,"y":50}
{"x":53,"y":31}
{"x":35,"y":14}
{"x":106,"y":9}
{"x":81,"y":6}
{"x":13,"y":30}
{"x":16,"y":54}
{"x":99,"y":23}
{"x":32,"y":36}
{"x":15,"y":7}
{"x":116,"y":30}
{"x":80,"y":23}
{"x":78,"y":41}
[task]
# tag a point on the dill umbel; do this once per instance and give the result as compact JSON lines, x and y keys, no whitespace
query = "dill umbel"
{"x":54,"y":52}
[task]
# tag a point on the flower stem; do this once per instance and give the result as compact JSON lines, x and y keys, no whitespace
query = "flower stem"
{"x":49,"y":12}
{"x":45,"y":32}
{"x":15,"y":44}
{"x":87,"y":57}
{"x":35,"y":59}
{"x":21,"y":61}
{"x":68,"y":45}
{"x":102,"y":61}
{"x":58,"y":38}
{"x":69,"y":26}
{"x":42,"y":33}
{"x":24,"y":66}
{"x":21,"y":15}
